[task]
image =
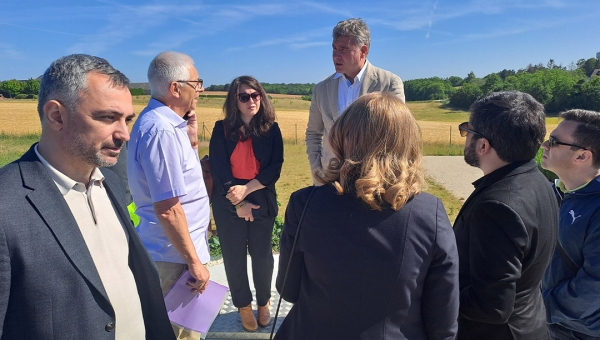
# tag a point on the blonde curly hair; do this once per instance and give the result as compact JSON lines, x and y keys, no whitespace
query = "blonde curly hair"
{"x":377,"y":152}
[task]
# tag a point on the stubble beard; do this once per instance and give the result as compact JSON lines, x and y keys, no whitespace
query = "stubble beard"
{"x":77,"y":146}
{"x":470,"y":154}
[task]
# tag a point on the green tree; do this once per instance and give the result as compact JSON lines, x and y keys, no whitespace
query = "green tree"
{"x":493,"y":83}
{"x":11,"y":87}
{"x":590,"y":65}
{"x":455,"y":80}
{"x":590,"y":95}
{"x":465,"y":96}
{"x":31,"y":86}
{"x":469,"y":77}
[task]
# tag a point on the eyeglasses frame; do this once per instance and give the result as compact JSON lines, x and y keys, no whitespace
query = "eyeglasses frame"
{"x":464,"y":128}
{"x":199,"y":82}
{"x":552,"y":142}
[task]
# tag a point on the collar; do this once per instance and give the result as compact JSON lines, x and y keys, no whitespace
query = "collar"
{"x":359,"y":77}
{"x":561,"y":186}
{"x":509,"y":169}
{"x":165,"y":111}
{"x":64,"y":182}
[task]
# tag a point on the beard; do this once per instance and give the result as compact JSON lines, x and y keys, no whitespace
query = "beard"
{"x":470,"y":154}
{"x":82,"y":149}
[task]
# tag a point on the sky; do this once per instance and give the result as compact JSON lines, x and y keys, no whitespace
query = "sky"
{"x":290,"y":41}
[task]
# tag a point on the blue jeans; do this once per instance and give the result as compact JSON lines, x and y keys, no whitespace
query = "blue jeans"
{"x":558,"y":332}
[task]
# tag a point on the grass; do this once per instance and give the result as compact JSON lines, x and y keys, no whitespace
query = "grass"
{"x":13,"y":146}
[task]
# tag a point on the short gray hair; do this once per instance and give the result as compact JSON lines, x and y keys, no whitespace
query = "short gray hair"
{"x":355,"y":28}
{"x":166,"y":68}
{"x":66,"y":78}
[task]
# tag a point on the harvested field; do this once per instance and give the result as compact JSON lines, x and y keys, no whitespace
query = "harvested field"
{"x":20,"y":117}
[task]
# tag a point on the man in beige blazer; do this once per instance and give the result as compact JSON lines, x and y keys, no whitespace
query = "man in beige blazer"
{"x":354,"y":77}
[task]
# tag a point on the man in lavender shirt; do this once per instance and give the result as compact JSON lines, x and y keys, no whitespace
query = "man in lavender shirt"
{"x":165,"y":176}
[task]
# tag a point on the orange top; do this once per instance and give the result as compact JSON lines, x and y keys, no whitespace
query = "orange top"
{"x":244,"y":164}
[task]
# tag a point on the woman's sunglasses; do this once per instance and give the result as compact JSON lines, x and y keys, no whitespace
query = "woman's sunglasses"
{"x":245,"y":97}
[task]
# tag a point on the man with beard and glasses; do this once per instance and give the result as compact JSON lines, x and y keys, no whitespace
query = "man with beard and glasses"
{"x":71,"y":263}
{"x":165,"y":176}
{"x":506,"y":230}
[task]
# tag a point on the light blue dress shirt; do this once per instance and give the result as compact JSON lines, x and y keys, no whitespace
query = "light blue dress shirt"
{"x":162,"y":164}
{"x":349,"y":92}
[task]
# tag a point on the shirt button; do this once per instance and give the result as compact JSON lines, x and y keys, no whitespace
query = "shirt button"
{"x":109,"y":327}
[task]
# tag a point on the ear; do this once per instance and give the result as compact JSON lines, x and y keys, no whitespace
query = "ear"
{"x":483,"y":146}
{"x":364,"y":50}
{"x":175,"y":90}
{"x":584,"y":157}
{"x":55,"y":114}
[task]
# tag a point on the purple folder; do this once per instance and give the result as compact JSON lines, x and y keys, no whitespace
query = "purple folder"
{"x":194,"y":311}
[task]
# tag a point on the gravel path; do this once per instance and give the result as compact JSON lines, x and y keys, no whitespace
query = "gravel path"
{"x":452,"y":173}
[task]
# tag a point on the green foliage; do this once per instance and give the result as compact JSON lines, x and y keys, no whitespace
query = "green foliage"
{"x":11,"y":88}
{"x":137,"y":92}
{"x":21,"y":96}
{"x":554,"y":86}
{"x":428,"y":89}
{"x":214,"y":246}
{"x":281,"y":88}
{"x":277,"y":229}
{"x":455,"y":80}
{"x":549,"y":174}
{"x":308,"y":97}
{"x":465,"y":96}
{"x":32,"y":87}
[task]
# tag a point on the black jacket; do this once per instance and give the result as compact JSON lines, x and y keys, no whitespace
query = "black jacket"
{"x":358,"y":273}
{"x":505,"y":232}
{"x":268,"y":150}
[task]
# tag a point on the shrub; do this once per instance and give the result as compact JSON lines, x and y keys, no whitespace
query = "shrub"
{"x":21,"y":96}
{"x":137,"y":92}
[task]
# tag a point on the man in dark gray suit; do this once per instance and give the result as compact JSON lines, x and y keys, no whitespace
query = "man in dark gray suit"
{"x":71,"y":264}
{"x":353,"y":77}
{"x":506,"y":230}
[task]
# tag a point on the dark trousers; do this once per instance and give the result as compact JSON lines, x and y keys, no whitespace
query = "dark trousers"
{"x":238,"y":238}
{"x":558,"y":332}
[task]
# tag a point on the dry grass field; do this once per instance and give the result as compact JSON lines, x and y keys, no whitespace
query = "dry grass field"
{"x":438,"y":125}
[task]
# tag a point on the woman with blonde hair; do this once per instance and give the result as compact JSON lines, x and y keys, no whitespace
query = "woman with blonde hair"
{"x":375,"y":258}
{"x":246,"y":155}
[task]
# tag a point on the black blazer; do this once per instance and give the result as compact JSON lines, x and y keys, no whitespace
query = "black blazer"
{"x":505,"y":232}
{"x":268,"y":150}
{"x":49,"y":286}
{"x":358,"y":273}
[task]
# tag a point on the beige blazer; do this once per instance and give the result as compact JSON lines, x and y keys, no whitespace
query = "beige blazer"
{"x":324,"y":110}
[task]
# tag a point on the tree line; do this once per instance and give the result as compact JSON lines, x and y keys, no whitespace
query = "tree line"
{"x":20,"y":88}
{"x":557,"y":87}
{"x":278,"y":88}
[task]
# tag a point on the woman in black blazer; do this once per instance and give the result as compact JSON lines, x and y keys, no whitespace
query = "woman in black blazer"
{"x":246,"y":155}
{"x":375,"y":257}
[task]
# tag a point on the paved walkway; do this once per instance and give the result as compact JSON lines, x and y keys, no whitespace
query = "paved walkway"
{"x":452,"y":173}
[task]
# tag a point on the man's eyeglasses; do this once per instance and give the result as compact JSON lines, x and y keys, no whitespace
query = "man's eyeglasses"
{"x":245,"y":97}
{"x":552,"y":142}
{"x":197,"y":86}
{"x":463,"y":130}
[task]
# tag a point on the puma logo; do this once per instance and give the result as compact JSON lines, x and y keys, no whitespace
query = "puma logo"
{"x":573,"y":216}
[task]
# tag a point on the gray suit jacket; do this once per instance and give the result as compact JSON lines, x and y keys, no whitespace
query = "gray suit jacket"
{"x":49,"y":286}
{"x":324,"y":110}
